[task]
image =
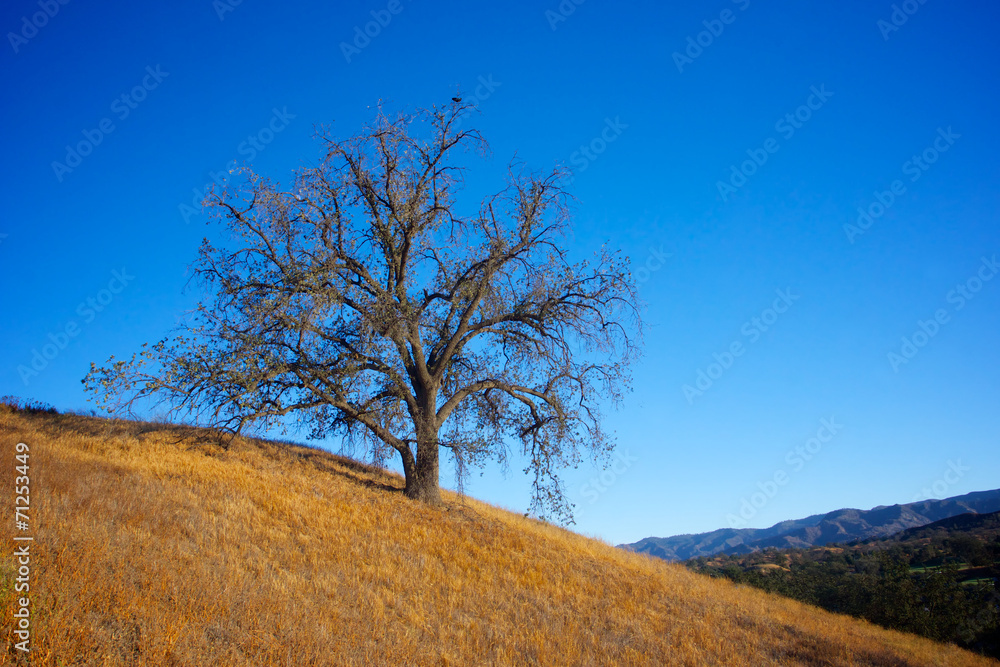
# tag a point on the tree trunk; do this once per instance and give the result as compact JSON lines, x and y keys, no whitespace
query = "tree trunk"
{"x":422,"y":475}
{"x":409,"y":470}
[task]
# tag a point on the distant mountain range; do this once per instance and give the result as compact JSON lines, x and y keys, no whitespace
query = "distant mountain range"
{"x":843,"y":525}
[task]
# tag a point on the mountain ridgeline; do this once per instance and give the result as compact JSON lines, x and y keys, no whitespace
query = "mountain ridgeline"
{"x":844,"y":525}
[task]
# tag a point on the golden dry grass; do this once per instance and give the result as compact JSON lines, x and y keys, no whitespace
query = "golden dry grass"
{"x":156,"y":548}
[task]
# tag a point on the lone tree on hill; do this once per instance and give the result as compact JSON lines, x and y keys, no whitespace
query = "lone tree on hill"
{"x":363,"y":303}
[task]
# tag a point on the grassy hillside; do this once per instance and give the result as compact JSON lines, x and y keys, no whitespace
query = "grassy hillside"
{"x":156,"y":547}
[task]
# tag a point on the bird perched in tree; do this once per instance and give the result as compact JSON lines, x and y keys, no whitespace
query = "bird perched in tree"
{"x":456,"y":99}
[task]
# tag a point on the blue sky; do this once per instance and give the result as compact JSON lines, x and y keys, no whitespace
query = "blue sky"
{"x":744,"y":138}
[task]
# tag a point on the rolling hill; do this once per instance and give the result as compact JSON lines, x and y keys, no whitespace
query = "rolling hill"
{"x":939,"y":580}
{"x":985,"y":526}
{"x":155,"y":545}
{"x":842,"y":525}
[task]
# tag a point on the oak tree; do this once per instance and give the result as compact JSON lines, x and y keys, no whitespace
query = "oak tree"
{"x":363,"y":302}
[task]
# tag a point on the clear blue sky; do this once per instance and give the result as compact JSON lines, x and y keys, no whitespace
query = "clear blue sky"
{"x":864,"y":100}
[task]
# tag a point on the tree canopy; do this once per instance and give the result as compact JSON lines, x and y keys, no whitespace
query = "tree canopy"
{"x":362,"y":302}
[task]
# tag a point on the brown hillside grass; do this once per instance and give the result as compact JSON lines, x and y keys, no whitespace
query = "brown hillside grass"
{"x":155,"y":547}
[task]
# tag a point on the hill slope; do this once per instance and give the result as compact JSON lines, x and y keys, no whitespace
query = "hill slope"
{"x":938,"y":581}
{"x":155,"y":547}
{"x":841,"y":525}
{"x":985,"y":526}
